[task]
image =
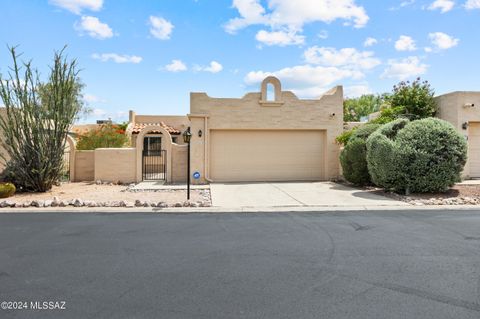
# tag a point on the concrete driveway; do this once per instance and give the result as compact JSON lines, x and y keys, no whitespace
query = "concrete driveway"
{"x":294,"y":194}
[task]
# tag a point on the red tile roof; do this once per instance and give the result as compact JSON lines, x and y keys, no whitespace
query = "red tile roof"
{"x":140,"y":126}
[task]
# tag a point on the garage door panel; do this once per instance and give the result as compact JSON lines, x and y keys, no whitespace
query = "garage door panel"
{"x":258,"y":155}
{"x":474,"y":149}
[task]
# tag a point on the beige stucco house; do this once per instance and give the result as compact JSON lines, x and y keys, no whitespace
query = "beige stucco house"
{"x":252,"y":138}
{"x":462,"y":109}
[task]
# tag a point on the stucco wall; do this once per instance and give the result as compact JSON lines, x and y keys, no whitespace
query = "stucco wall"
{"x":451,"y":107}
{"x":249,"y":112}
{"x":115,"y":164}
{"x":179,"y":163}
{"x":84,"y":166}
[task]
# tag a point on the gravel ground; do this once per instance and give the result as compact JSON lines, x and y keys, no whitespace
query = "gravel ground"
{"x":457,"y":195}
{"x":87,"y":191}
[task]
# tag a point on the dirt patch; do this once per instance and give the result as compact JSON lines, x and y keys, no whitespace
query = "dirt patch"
{"x":103,"y":193}
{"x":460,"y":194}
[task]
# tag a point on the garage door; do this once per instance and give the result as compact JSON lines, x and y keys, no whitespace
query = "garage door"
{"x":260,"y":155}
{"x":474,"y":149}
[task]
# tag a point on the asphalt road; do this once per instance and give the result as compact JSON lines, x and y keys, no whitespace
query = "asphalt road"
{"x":289,"y":265}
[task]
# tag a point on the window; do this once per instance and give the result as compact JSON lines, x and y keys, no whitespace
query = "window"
{"x":152,"y":145}
{"x":174,"y":139}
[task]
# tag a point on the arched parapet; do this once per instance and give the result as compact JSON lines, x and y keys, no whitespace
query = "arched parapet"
{"x":166,"y":145}
{"x":277,"y":90}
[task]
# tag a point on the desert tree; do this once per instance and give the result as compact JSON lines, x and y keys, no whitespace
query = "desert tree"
{"x":37,"y":119}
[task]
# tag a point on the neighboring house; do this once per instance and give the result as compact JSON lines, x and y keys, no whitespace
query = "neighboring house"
{"x":462,"y":109}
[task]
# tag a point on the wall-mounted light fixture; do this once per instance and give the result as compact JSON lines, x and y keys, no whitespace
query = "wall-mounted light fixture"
{"x":332,"y":115}
{"x":465,"y":125}
{"x":200,"y":133}
{"x":468,"y":105}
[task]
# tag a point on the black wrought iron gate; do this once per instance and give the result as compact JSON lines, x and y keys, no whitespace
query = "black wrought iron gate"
{"x":154,"y":166}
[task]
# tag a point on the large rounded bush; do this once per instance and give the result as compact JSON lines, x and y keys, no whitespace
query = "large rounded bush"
{"x":415,"y":157}
{"x":354,"y":155}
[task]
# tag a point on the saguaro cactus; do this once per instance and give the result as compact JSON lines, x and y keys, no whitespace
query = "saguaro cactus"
{"x":38,"y":117}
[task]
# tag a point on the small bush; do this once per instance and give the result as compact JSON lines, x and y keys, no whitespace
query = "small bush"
{"x":106,"y":136}
{"x":353,"y":157}
{"x":7,"y":190}
{"x":343,"y":138}
{"x":416,"y":157}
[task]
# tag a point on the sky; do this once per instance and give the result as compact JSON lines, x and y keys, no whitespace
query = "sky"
{"x":148,"y":55}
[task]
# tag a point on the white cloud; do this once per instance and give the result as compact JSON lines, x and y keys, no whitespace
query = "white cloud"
{"x":323,"y":34}
{"x":76,"y":6}
{"x":369,"y":42}
{"x":346,"y":57}
{"x":90,"y":98}
{"x":442,"y":41}
{"x":98,"y":113}
{"x":176,"y":66}
{"x":404,"y":68}
{"x":280,"y":38}
{"x":403,"y":4}
{"x":160,"y":28}
{"x":94,"y":28}
{"x":290,"y":16}
{"x":405,"y":43}
{"x":117,"y":58}
{"x":325,"y":67}
{"x":305,"y":78}
{"x":472,"y":4}
{"x":357,"y":90}
{"x":214,"y":67}
{"x":442,"y":5}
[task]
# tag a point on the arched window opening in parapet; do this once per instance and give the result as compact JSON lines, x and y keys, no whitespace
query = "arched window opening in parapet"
{"x":270,"y":92}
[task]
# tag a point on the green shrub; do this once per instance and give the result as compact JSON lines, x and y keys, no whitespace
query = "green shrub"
{"x":353,"y":157}
{"x":106,"y":136}
{"x":426,"y":155}
{"x":7,"y":190}
{"x":343,"y":138}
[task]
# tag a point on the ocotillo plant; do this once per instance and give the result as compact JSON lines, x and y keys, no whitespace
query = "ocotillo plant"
{"x":37,"y":119}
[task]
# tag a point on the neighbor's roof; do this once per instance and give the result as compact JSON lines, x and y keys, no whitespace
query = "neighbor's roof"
{"x":140,"y":126}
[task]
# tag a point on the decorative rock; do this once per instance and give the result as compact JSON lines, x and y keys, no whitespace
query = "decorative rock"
{"x":47,"y":203}
{"x":178,"y":205}
{"x":3,"y":204}
{"x":193,"y":205}
{"x":138,"y":203}
{"x":27,"y":204}
{"x":98,"y":182}
{"x":186,"y":204}
{"x":37,"y":203}
{"x":89,"y":203}
{"x":78,"y":202}
{"x":163,"y":205}
{"x":55,"y":202}
{"x":63,"y":203}
{"x":113,"y":204}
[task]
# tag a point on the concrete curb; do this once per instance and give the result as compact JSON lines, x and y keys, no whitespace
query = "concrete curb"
{"x":219,"y":210}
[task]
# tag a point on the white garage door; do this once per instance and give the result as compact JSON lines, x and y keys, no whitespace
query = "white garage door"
{"x":266,"y":155}
{"x":474,"y":149}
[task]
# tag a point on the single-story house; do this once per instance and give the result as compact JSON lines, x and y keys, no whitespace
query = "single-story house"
{"x":253,"y":138}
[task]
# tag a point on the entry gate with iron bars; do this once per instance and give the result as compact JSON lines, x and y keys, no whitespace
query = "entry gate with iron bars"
{"x":154,"y":166}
